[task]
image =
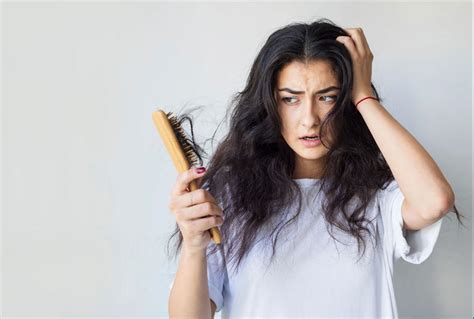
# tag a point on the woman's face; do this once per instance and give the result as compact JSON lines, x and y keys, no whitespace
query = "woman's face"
{"x":305,"y":94}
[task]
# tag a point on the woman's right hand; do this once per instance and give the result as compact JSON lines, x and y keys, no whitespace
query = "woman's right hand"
{"x":196,"y":212}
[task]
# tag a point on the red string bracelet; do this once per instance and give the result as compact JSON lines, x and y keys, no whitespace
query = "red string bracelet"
{"x":368,"y":97}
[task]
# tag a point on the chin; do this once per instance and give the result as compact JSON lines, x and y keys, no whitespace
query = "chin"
{"x":311,"y":154}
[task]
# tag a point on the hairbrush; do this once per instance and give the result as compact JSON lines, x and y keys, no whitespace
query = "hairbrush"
{"x":180,"y":150}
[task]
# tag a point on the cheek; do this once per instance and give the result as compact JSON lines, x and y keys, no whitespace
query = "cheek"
{"x":285,"y":124}
{"x":287,"y":118}
{"x":288,"y":134}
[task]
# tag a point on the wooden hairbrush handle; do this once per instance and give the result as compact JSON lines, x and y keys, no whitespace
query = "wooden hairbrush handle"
{"x":178,"y":156}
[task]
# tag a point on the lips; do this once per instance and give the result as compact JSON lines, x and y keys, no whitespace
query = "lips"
{"x":307,"y":142}
{"x":312,"y":136}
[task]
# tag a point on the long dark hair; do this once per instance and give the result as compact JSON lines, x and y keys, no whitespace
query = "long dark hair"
{"x":250,"y":172}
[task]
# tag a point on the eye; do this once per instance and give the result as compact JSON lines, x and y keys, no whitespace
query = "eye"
{"x":331,"y":96}
{"x":285,"y":99}
{"x":288,"y":99}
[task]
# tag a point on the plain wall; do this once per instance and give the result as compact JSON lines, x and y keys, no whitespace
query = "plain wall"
{"x":86,"y":179}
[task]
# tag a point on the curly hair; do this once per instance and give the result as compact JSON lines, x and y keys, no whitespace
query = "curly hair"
{"x":250,"y":172}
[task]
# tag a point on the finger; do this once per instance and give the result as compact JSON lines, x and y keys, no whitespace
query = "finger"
{"x":183,"y":180}
{"x":355,"y":37}
{"x":199,"y":211}
{"x":357,"y":34}
{"x":349,"y":44}
{"x":365,"y":42}
{"x":196,"y":197}
{"x":203,"y":224}
{"x":199,"y":181}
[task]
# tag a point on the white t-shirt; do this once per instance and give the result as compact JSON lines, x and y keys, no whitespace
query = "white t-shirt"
{"x":314,"y":276}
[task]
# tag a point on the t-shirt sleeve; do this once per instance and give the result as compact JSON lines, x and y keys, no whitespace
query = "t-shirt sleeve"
{"x":413,"y":246}
{"x":215,"y":276}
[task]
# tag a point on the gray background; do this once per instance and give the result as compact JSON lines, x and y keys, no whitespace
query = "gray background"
{"x":86,"y":180}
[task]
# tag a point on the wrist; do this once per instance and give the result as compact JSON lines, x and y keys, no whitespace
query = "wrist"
{"x":363,"y":99}
{"x":190,"y":251}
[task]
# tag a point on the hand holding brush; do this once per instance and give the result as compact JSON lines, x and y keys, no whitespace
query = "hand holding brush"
{"x":197,"y":212}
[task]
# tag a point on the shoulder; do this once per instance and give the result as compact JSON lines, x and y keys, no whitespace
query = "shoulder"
{"x":389,"y":189}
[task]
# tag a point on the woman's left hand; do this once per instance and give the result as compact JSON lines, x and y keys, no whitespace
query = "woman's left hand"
{"x":362,"y":58}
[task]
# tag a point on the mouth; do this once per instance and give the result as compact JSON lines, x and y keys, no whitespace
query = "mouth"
{"x":310,"y":138}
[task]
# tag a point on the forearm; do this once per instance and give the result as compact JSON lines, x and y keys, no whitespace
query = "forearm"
{"x":189,"y":296}
{"x":419,"y":177}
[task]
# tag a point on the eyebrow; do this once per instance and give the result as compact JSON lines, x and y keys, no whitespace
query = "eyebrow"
{"x":330,"y":88}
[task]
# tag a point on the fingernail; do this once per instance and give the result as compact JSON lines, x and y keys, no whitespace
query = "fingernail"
{"x":200,"y":170}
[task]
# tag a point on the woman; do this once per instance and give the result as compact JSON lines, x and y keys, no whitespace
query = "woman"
{"x":312,"y":156}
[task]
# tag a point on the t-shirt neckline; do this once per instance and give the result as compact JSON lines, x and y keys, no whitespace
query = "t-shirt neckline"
{"x":307,"y":181}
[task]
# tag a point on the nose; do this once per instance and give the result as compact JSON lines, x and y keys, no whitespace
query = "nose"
{"x":310,"y":114}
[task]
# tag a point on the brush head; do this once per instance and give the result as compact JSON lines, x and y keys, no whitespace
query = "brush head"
{"x":184,"y":140}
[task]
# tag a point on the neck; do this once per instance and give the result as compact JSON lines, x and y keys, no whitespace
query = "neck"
{"x":308,"y":169}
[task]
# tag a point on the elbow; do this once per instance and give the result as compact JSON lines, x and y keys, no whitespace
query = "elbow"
{"x":441,"y":205}
{"x":448,"y":203}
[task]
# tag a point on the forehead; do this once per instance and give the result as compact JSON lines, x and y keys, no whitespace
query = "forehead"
{"x":315,"y":74}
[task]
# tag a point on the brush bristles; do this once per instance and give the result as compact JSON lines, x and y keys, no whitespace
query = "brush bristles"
{"x":183,"y":140}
